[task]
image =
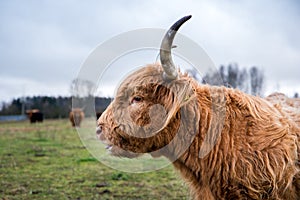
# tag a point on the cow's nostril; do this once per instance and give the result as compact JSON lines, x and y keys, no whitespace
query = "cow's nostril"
{"x":98,"y":130}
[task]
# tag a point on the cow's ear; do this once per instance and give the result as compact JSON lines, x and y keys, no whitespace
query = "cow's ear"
{"x":187,"y":117}
{"x":181,"y":93}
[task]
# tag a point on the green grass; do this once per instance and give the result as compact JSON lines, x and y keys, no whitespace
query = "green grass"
{"x":48,"y":161}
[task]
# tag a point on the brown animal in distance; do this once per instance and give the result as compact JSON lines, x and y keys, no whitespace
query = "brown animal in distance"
{"x":76,"y":116}
{"x":35,"y":115}
{"x":255,"y":151}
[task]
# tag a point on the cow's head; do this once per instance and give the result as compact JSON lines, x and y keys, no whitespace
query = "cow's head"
{"x":146,"y":113}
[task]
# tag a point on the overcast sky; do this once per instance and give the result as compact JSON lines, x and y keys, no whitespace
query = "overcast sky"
{"x":44,"y":43}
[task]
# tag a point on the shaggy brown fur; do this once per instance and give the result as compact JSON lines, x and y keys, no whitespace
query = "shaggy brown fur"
{"x":76,"y":116}
{"x":253,"y":154}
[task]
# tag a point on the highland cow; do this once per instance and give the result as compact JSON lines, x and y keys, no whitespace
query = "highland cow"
{"x":291,"y":106}
{"x":226,"y":144}
{"x":35,"y":115}
{"x":76,"y":116}
{"x":281,"y":99}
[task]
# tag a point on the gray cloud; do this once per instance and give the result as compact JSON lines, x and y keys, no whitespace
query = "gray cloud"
{"x":44,"y":43}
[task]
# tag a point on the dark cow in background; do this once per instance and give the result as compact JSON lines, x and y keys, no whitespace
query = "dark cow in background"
{"x":76,"y":116}
{"x":35,"y":115}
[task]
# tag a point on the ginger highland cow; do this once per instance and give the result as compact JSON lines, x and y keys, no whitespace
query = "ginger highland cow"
{"x":226,"y":144}
{"x":76,"y":116}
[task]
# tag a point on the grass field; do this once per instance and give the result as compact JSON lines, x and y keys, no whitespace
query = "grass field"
{"x":48,"y":161}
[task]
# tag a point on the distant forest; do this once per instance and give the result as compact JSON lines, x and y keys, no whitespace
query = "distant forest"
{"x":52,"y":107}
{"x":250,"y":81}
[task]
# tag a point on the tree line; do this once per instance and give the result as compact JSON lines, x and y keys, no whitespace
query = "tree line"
{"x":52,"y":107}
{"x":250,"y":80}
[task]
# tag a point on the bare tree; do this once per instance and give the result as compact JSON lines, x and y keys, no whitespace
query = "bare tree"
{"x":257,"y":80}
{"x":232,"y":76}
{"x":81,"y":88}
{"x":243,"y":80}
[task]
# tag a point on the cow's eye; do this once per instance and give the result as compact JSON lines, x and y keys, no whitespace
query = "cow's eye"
{"x":136,"y":99}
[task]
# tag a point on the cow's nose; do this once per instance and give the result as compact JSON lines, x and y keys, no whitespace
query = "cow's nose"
{"x":99,"y":130}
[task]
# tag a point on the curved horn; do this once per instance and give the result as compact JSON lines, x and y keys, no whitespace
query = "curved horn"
{"x":165,"y":50}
